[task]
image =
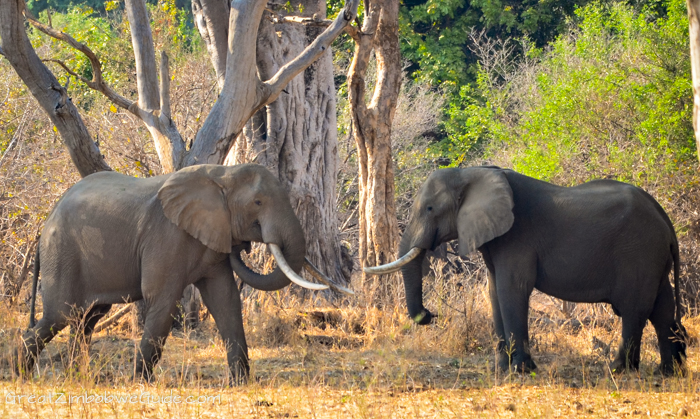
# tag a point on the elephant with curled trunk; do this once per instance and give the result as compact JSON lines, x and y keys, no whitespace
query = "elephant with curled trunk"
{"x":602,"y":241}
{"x":112,"y":238}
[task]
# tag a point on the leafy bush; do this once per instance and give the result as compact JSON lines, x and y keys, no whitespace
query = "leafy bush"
{"x":611,"y":98}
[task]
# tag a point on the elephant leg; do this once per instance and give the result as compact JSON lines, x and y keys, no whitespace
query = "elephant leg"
{"x":671,"y":344}
{"x":513,"y":289}
{"x":221,"y":296}
{"x":93,"y":317}
{"x":83,"y":326}
{"x":34,"y":340}
{"x":628,"y":353}
{"x":503,"y":359}
{"x":159,"y":320}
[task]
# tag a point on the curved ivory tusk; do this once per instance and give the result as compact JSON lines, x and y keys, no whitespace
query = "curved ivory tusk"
{"x":395,"y":265}
{"x":284,"y":266}
{"x":313,"y":270}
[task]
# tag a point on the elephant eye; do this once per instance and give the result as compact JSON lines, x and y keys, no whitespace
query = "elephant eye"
{"x":257,"y":202}
{"x":430,"y":208}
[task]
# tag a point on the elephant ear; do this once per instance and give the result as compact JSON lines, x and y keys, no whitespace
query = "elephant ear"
{"x":487,"y":208}
{"x":194,"y":201}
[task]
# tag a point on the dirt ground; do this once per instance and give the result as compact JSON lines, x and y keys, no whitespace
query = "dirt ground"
{"x":308,"y":364}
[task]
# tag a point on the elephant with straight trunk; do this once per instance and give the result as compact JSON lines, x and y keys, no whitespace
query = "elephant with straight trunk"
{"x":112,"y":239}
{"x":602,"y":241}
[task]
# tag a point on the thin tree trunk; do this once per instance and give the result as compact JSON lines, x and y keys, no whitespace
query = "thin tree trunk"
{"x":296,"y":135}
{"x":372,"y":131}
{"x":142,"y":41}
{"x":694,"y":22}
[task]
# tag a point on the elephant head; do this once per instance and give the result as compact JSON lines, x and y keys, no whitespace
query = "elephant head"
{"x":227,"y":207}
{"x":473,"y":205}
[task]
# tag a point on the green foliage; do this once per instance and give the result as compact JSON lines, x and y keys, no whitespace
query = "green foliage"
{"x":98,"y":6}
{"x":62,"y":6}
{"x":108,"y":36}
{"x":612,"y":98}
{"x":173,"y":28}
{"x":101,"y":34}
{"x":470,"y":124}
{"x":434,"y":36}
{"x":435,"y":32}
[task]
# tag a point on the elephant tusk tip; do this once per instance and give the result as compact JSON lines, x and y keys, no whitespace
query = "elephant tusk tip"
{"x":395,"y":265}
{"x":313,"y":270}
{"x":342,"y":289}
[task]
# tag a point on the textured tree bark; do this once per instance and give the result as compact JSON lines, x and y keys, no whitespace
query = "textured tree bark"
{"x":211,"y":19}
{"x":694,"y":22}
{"x":372,"y":130}
{"x":243,"y":92}
{"x":296,"y":135}
{"x":52,"y":97}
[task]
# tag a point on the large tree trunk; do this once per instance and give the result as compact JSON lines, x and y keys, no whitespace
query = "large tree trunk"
{"x":379,"y":231}
{"x":296,"y":135}
{"x":694,"y":22}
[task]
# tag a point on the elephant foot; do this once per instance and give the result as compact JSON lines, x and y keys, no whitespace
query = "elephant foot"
{"x":239,"y":374}
{"x":621,"y":365}
{"x":144,"y":373}
{"x":424,"y":317}
{"x":503,"y":362}
{"x":524,"y":366}
{"x":671,"y":369}
{"x":521,"y":364}
{"x":22,"y":364}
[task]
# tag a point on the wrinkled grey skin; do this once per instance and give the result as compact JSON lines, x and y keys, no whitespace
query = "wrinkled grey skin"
{"x":113,"y":238}
{"x":602,"y":241}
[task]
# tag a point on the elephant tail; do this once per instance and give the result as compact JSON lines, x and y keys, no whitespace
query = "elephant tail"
{"x":35,"y":280}
{"x":676,"y":276}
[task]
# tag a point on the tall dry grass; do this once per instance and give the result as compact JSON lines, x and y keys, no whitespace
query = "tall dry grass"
{"x":348,"y":359}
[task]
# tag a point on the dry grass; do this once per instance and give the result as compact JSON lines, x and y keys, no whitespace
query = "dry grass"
{"x":314,"y":360}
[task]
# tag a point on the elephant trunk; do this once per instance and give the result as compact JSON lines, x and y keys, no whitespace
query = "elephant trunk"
{"x":293,"y":247}
{"x":413,"y":283}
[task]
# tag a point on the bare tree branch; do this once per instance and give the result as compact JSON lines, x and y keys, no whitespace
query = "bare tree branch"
{"x":285,"y":74}
{"x":44,"y":86}
{"x":168,"y":141}
{"x":97,"y":82}
{"x":113,"y":318}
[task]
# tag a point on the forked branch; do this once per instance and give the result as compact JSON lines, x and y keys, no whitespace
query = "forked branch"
{"x":167,"y":139}
{"x":97,"y":82}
